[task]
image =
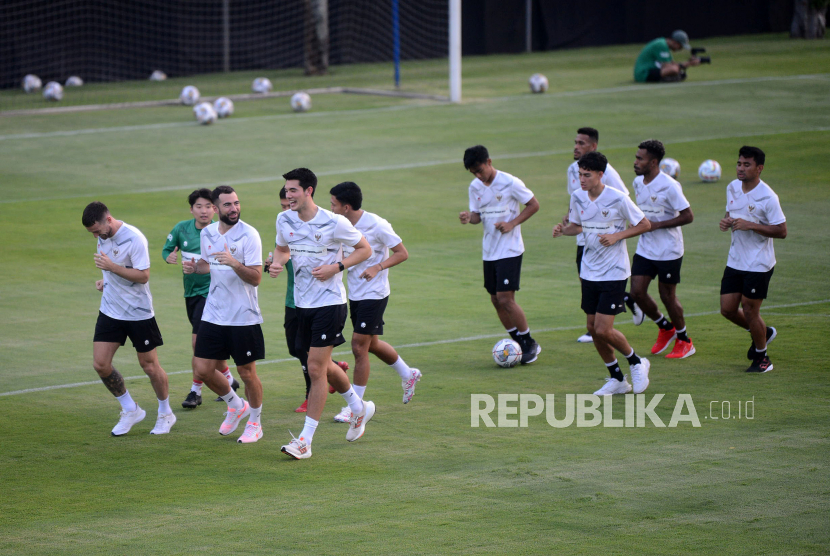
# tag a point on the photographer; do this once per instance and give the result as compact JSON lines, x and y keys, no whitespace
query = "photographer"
{"x":655,"y":63}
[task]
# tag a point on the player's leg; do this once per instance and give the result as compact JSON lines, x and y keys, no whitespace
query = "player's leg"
{"x":158,"y":378}
{"x":290,"y":327}
{"x":730,"y":307}
{"x":246,"y":347}
{"x":604,"y":327}
{"x":643,"y":271}
{"x":580,"y":250}
{"x":102,"y":355}
{"x":360,"y":350}
{"x":683,"y":347}
{"x":755,"y":291}
{"x":639,"y":292}
{"x":508,"y":278}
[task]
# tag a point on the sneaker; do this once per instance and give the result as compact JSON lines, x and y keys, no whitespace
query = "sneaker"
{"x":233,"y":417}
{"x":639,"y":375}
{"x":682,"y":350}
{"x":585,"y":339}
{"x":637,"y":314}
{"x":127,"y":420}
{"x":297,"y":448}
{"x":234,"y":385}
{"x":192,"y":400}
{"x":530,"y":351}
{"x":760,"y":365}
{"x":614,"y":386}
{"x":771,"y":334}
{"x":357,"y":425}
{"x":343,"y":365}
{"x":164,"y":423}
{"x":664,"y":338}
{"x":303,"y":408}
{"x":253,"y":432}
{"x":409,"y":385}
{"x":344,"y":416}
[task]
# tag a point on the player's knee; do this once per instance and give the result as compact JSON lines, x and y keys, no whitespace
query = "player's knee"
{"x":667,"y":297}
{"x":504,"y":299}
{"x":103,"y":368}
{"x":592,"y":331}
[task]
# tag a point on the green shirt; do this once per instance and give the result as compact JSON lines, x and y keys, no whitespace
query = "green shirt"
{"x":186,"y":237}
{"x":655,"y":54}
{"x":289,"y":293}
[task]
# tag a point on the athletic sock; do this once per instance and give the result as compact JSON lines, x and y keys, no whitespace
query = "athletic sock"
{"x":126,"y":401}
{"x":255,"y":413}
{"x":233,"y":401}
{"x":614,"y":370}
{"x":228,"y":375}
{"x":359,"y":389}
{"x":401,"y":368}
{"x":514,"y":333}
{"x":760,"y":353}
{"x":632,"y":358}
{"x":309,"y":427}
{"x":681,"y":335}
{"x":524,"y":337}
{"x":197,"y":387}
{"x":354,"y":401}
{"x":663,"y":323}
{"x":164,"y":407}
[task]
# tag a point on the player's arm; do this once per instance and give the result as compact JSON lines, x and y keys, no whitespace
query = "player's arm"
{"x":281,"y":255}
{"x":531,"y":208}
{"x":570,"y":229}
{"x":399,"y":255}
{"x":468,"y":217}
{"x":362,"y":251}
{"x":685,"y":217}
{"x":774,"y":231}
{"x":610,"y":239}
{"x":103,"y":262}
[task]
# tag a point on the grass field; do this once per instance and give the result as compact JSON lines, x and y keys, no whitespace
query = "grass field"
{"x":422,"y":480}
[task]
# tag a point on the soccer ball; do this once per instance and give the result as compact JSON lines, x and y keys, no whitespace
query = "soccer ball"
{"x":709,"y":171}
{"x":261,"y":85}
{"x":300,"y":102}
{"x":31,"y":83}
{"x":223,"y":107}
{"x":73,"y":81}
{"x":507,"y":353}
{"x":53,"y":91}
{"x":671,"y":167}
{"x":158,"y":75}
{"x":204,"y":112}
{"x":538,"y":83}
{"x":190,"y":95}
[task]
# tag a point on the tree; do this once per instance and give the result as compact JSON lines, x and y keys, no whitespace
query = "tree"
{"x":809,"y":19}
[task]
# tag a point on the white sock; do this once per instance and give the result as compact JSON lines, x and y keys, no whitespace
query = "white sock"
{"x":233,"y":401}
{"x":402,"y":368}
{"x":126,"y":401}
{"x":308,"y":430}
{"x":360,"y":390}
{"x":164,"y":407}
{"x":228,"y":375}
{"x":354,"y":401}
{"x":196,"y":387}
{"x":255,"y":413}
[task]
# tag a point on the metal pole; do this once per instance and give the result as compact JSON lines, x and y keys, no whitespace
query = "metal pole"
{"x":528,"y":25}
{"x":455,"y":51}
{"x":226,"y":36}
{"x":396,"y":43}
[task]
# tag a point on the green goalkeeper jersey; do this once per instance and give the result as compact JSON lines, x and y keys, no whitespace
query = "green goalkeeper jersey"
{"x":186,"y":237}
{"x":654,"y":54}
{"x":289,"y":292}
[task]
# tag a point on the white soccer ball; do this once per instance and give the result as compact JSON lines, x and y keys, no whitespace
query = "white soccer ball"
{"x":73,"y":81}
{"x":189,"y":96}
{"x":507,"y":353}
{"x":223,"y":107}
{"x":709,"y":171}
{"x":31,"y":83}
{"x":538,"y":83}
{"x":158,"y":75}
{"x":53,"y":91}
{"x":204,"y":112}
{"x":261,"y":85}
{"x":671,"y":167}
{"x":301,"y":102}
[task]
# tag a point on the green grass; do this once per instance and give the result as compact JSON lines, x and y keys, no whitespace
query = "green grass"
{"x":422,"y":480}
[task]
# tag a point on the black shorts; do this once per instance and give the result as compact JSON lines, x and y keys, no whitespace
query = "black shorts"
{"x":580,"y":249}
{"x":653,"y":76}
{"x":752,"y":285}
{"x":607,"y":298}
{"x":291,"y":325}
{"x":195,"y":307}
{"x":320,"y":326}
{"x":242,"y":343}
{"x":667,"y":272}
{"x":502,"y":275}
{"x":144,"y":334}
{"x":367,"y":315}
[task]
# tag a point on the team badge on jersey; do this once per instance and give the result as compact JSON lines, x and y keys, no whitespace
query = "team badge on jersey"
{"x":185,"y":243}
{"x":605,"y":213}
{"x":233,"y":249}
{"x":498,"y":197}
{"x":317,"y":236}
{"x":653,"y":198}
{"x":115,"y":251}
{"x":751,"y":208}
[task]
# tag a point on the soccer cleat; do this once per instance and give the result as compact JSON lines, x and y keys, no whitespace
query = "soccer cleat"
{"x":297,"y":448}
{"x":771,"y":334}
{"x":357,"y":424}
{"x":585,"y":339}
{"x":682,"y":349}
{"x":613,"y":386}
{"x":253,"y":432}
{"x":409,"y":385}
{"x":664,"y":338}
{"x":234,"y":385}
{"x":760,"y":365}
{"x":344,"y":416}
{"x":164,"y":423}
{"x":303,"y":407}
{"x":639,"y":375}
{"x":233,"y":417}
{"x":127,"y":420}
{"x":192,"y":400}
{"x":530,"y":351}
{"x":637,"y":314}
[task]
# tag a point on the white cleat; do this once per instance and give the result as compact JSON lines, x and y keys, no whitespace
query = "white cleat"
{"x":637,"y":314}
{"x":127,"y":420}
{"x":409,"y":385}
{"x":253,"y":432}
{"x":233,"y":417}
{"x":614,"y":386}
{"x":298,"y":448}
{"x":357,"y":425}
{"x":639,"y":375}
{"x":585,"y":339}
{"x":164,"y":423}
{"x":344,"y":416}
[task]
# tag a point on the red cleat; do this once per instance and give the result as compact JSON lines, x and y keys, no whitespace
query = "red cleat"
{"x":664,"y":338}
{"x":303,"y":408}
{"x":682,"y":350}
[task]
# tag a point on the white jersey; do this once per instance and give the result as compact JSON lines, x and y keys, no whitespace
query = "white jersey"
{"x":501,"y":201}
{"x":381,"y":237}
{"x":122,"y":299}
{"x":660,"y":200}
{"x":608,"y":214}
{"x":751,"y":251}
{"x":231,"y":301}
{"x":312,"y":244}
{"x":610,"y":178}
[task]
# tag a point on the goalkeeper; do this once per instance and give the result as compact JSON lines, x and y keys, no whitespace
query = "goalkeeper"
{"x":655,"y":63}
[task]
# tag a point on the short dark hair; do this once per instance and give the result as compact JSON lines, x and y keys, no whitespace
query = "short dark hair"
{"x":475,"y":156}
{"x":595,"y":162}
{"x":590,"y":132}
{"x":303,"y":175}
{"x":654,"y":148}
{"x":348,"y":193}
{"x":282,"y":192}
{"x":754,"y":153}
{"x":93,"y":213}
{"x":203,"y":193}
{"x":220,"y":190}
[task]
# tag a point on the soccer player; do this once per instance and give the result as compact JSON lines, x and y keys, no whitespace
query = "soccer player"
{"x":126,"y":312}
{"x":495,"y":200}
{"x":587,"y":141}
{"x":231,"y":251}
{"x":184,"y":239}
{"x":660,"y":251}
{"x":754,"y":215}
{"x":369,"y":289}
{"x":601,"y":213}
{"x":312,"y":236}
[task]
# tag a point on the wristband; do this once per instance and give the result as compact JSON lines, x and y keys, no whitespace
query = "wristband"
{"x":340,"y":264}
{"x":381,"y":265}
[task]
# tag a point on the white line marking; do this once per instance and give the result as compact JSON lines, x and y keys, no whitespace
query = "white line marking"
{"x":402,"y":346}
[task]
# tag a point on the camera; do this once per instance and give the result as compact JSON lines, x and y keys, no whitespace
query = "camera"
{"x":703,"y":59}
